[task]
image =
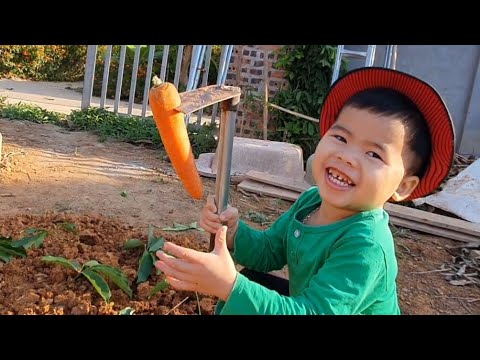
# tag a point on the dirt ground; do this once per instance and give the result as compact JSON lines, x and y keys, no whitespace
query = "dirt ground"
{"x":112,"y":192}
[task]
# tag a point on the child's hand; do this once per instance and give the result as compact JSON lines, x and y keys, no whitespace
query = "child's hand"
{"x":211,"y":273}
{"x":211,"y":222}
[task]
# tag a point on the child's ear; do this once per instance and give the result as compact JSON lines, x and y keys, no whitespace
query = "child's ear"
{"x":406,"y":187}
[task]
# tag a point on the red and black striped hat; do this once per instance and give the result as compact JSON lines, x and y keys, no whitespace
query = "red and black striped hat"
{"x":428,"y":101}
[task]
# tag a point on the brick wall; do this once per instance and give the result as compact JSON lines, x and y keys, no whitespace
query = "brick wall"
{"x":247,"y":69}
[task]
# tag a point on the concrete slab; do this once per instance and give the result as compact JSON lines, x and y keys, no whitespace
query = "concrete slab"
{"x":271,"y":157}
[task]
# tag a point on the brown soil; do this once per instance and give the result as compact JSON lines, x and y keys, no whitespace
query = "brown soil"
{"x":50,"y":176}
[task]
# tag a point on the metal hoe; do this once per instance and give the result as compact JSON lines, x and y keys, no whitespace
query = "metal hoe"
{"x":229,"y":96}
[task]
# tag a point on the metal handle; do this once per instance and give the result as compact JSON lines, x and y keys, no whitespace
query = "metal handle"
{"x":224,"y":153}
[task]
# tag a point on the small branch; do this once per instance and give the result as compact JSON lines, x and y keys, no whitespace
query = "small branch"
{"x":294,"y":113}
{"x":176,"y":306}
{"x":198,"y":303}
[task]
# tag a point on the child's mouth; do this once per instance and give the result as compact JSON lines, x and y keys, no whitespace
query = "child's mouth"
{"x":339,"y":179}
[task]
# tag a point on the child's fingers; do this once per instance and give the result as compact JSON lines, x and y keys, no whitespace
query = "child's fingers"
{"x":210,"y":216}
{"x":229,"y":215}
{"x":210,"y":226}
{"x":211,"y":203}
{"x":181,"y":285}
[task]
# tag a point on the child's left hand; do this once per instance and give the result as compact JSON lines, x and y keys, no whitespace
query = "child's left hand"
{"x":211,"y":273}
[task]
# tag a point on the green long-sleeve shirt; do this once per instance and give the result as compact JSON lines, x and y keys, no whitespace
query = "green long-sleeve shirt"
{"x":348,"y":267}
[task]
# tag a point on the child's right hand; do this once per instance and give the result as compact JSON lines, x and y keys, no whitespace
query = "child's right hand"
{"x":210,"y":221}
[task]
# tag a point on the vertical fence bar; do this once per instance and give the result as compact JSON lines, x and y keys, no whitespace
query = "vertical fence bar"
{"x":221,"y":68}
{"x":208,"y":58}
{"x":199,"y":67}
{"x":178,"y":65}
{"x":193,"y":66}
{"x":106,"y":71}
{"x":121,"y":65}
{"x":133,"y":83}
{"x":265,"y":95}
{"x":197,"y":50}
{"x":227,"y":64}
{"x":151,"y":55}
{"x":163,"y":72}
{"x":89,"y":76}
{"x":393,"y":64}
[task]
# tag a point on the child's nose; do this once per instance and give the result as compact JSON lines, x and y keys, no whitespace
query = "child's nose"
{"x":347,"y":157}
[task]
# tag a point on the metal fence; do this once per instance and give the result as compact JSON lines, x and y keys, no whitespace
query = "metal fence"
{"x":201,"y":59}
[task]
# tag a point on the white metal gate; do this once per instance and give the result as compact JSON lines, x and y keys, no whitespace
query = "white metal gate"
{"x":199,"y":69}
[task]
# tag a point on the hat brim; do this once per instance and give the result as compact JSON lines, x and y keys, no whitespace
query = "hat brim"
{"x":428,"y":101}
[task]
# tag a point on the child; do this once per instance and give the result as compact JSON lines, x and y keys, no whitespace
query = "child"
{"x":385,"y":135}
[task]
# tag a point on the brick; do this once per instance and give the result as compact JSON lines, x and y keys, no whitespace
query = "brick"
{"x":253,"y":53}
{"x":256,"y":72}
{"x":277,"y":74}
{"x":246,"y":52}
{"x":259,"y":63}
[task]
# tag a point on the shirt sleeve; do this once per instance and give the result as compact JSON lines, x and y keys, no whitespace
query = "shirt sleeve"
{"x":352,"y":278}
{"x":264,"y":250}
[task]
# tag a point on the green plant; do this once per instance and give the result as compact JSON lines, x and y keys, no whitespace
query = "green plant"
{"x":148,"y":258}
{"x":43,"y":62}
{"x":10,"y":248}
{"x":97,"y":274}
{"x":308,"y":69}
{"x":108,"y":125}
{"x":202,"y":138}
{"x":30,"y":112}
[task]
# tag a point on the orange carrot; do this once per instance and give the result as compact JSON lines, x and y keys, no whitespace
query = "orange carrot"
{"x":164,"y":99}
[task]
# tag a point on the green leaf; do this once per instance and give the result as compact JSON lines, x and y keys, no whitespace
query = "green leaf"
{"x":91,"y":263}
{"x":98,"y":283}
{"x":182,"y":227}
{"x":116,"y":275}
{"x":194,"y":225}
{"x":124,"y":194}
{"x":5,"y":257}
{"x":35,"y":239}
{"x":74,"y":265}
{"x":69,"y":227}
{"x":156,"y":244}
{"x":10,"y":249}
{"x":126,"y":311}
{"x":144,"y":267}
{"x":150,"y":235}
{"x":162,"y":285}
{"x":133,"y":243}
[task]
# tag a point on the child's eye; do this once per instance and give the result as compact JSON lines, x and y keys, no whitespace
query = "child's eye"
{"x":374,"y":155}
{"x":340,"y":138}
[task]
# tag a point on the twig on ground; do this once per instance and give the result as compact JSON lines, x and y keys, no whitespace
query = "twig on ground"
{"x":176,"y":306}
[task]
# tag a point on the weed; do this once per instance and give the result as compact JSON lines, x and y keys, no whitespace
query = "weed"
{"x":257,"y":217}
{"x":110,"y":126}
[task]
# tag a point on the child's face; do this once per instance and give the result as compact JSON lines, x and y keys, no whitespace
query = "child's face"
{"x":360,"y":162}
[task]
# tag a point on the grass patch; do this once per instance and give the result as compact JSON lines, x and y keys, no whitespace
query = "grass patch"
{"x":110,"y":126}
